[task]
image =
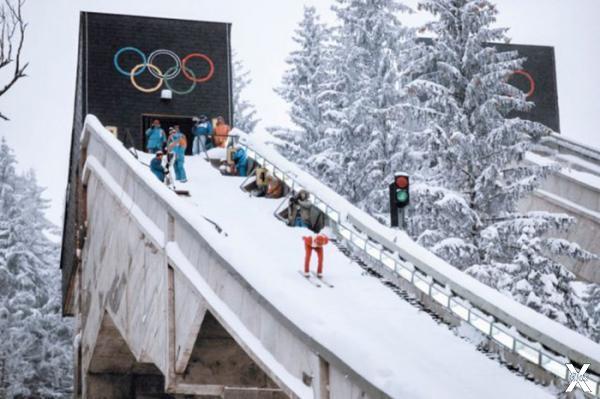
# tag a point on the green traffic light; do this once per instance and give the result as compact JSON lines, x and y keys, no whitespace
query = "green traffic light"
{"x":402,"y":195}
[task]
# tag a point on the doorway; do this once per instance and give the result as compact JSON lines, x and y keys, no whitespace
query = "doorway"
{"x":166,"y":121}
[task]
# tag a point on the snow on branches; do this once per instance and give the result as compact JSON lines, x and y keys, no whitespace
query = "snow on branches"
{"x":369,"y":99}
{"x":244,"y":113}
{"x":477,"y":147}
{"x":35,"y":342}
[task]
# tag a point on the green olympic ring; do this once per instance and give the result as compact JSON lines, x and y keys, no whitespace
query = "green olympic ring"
{"x":181,"y":92}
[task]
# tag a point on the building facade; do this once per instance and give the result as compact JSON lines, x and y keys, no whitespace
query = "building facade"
{"x":132,"y":70}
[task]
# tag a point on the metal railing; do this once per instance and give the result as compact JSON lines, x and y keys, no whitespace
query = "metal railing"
{"x":505,"y":335}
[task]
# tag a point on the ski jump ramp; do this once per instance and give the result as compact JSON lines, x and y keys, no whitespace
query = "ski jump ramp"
{"x":201,"y":296}
{"x":574,"y":189}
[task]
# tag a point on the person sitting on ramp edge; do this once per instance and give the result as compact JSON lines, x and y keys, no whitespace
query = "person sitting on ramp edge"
{"x":156,"y":166}
{"x":299,"y":210}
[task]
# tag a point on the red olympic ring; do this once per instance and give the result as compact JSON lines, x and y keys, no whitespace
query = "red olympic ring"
{"x":211,"y":67}
{"x":529,"y":78}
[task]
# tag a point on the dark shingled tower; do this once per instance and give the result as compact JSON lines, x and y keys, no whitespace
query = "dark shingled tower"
{"x":110,"y":48}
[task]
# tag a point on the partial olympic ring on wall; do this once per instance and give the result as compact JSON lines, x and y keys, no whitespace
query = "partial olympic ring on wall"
{"x":171,"y":73}
{"x":529,"y":79}
{"x":176,"y":68}
{"x":151,"y":67}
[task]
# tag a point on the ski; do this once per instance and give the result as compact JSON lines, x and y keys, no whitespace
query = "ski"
{"x":327,"y":283}
{"x":310,"y":280}
{"x":184,"y":193}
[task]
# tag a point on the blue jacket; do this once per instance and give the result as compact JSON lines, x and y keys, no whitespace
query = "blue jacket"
{"x":177,"y":144}
{"x":157,"y":168}
{"x":202,"y":129}
{"x":240,"y":158}
{"x":156,"y":138}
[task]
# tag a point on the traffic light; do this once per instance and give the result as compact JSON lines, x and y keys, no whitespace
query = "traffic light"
{"x":401,"y":184}
{"x":399,"y":196}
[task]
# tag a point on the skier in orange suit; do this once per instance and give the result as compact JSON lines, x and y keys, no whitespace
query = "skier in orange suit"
{"x":317,"y":243}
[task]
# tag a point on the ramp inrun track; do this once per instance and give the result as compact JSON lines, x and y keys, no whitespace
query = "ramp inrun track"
{"x":161,"y":292}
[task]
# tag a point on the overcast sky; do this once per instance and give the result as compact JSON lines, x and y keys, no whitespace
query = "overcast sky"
{"x":41,"y":106}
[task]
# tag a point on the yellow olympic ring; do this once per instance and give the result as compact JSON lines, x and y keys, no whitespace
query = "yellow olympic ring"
{"x":143,"y":89}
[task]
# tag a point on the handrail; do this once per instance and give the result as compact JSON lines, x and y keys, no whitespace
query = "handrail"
{"x":506,"y":329}
{"x":575,"y":146}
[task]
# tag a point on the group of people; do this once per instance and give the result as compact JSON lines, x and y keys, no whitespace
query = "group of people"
{"x":175,"y":144}
{"x":299,"y":215}
{"x":207,"y":136}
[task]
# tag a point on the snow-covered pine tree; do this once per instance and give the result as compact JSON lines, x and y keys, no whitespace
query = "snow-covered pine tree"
{"x":467,"y":212}
{"x":244,"y":113}
{"x":35,"y":342}
{"x":592,"y":300}
{"x":302,"y":88}
{"x":366,"y":101}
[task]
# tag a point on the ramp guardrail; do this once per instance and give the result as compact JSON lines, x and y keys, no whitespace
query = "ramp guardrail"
{"x":505,"y":329}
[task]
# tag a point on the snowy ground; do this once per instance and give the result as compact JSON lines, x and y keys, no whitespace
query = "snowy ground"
{"x":385,"y":339}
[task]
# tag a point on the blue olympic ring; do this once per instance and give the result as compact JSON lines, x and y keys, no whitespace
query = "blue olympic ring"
{"x":135,"y":50}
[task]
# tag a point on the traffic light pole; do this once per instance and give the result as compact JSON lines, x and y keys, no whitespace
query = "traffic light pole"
{"x":394,"y":210}
{"x":401,"y":219}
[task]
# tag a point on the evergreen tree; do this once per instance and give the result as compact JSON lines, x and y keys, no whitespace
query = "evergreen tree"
{"x":302,"y":87}
{"x":593,"y":308}
{"x":466,"y":211}
{"x":244,"y":113}
{"x":366,"y":101}
{"x":35,"y":342}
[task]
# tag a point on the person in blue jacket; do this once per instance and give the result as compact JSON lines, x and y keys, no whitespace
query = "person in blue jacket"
{"x":155,"y":137}
{"x":156,"y":166}
{"x":241,"y":161}
{"x":202,"y":132}
{"x":176,"y":145}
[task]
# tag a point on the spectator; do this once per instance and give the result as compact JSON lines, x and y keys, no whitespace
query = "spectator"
{"x":274,"y":187}
{"x":299,"y":210}
{"x":177,"y":145}
{"x":262,"y":182}
{"x":271,"y":187}
{"x":155,"y":137}
{"x":156,"y":166}
{"x":221,"y":132}
{"x":240,"y":158}
{"x":202,"y":132}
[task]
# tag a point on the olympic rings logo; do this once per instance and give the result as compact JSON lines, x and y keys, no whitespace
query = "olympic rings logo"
{"x":179,"y":66}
